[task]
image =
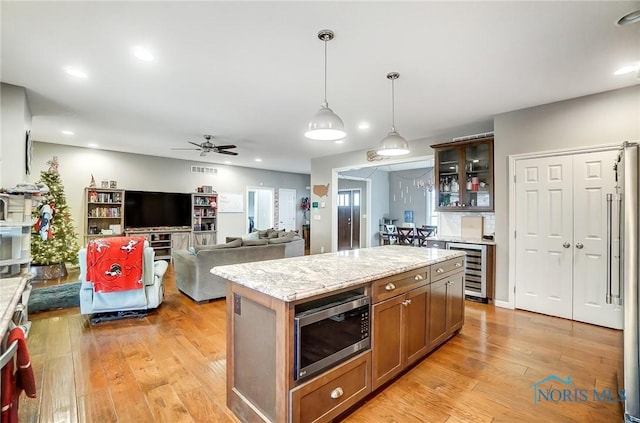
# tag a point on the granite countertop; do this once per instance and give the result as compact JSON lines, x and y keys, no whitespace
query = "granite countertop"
{"x":10,"y":294}
{"x":448,"y":238}
{"x":302,"y":277}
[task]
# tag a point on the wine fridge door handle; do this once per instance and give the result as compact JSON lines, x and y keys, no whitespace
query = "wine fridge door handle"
{"x":609,"y":298}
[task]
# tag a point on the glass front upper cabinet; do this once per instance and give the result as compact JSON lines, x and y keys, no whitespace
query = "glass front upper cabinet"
{"x":464,"y":175}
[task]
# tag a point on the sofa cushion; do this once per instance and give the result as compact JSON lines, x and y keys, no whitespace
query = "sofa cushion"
{"x":273,"y":233}
{"x":232,"y":244}
{"x":281,"y":240}
{"x":252,"y":242}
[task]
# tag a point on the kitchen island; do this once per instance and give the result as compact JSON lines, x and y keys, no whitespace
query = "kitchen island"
{"x":417,"y":303}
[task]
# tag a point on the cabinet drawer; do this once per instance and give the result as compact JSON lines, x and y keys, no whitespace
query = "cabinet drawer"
{"x":399,"y":284}
{"x":332,"y":393}
{"x":436,"y":244}
{"x":445,"y":268}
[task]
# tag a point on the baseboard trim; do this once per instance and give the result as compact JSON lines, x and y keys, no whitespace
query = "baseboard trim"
{"x":504,"y":304}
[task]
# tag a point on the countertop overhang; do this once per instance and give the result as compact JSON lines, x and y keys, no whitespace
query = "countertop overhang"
{"x":296,"y":278}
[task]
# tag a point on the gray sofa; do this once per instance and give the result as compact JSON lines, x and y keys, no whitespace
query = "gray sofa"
{"x":192,"y":267}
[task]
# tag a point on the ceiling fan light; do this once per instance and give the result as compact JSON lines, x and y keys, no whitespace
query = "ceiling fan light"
{"x":393,"y":145}
{"x":325,"y":125}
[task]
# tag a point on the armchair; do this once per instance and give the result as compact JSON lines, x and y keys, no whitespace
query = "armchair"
{"x":125,"y":285}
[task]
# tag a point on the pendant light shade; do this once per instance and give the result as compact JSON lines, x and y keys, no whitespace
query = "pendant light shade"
{"x":325,"y":124}
{"x":393,"y":144}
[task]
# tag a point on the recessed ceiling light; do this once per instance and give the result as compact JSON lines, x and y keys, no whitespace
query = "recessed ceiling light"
{"x":143,"y":54}
{"x":258,"y":159}
{"x":92,"y":145}
{"x":75,"y":72}
{"x":363,"y":125}
{"x":630,"y":18}
{"x":339,"y":141}
{"x":67,"y":132}
{"x":627,"y":69}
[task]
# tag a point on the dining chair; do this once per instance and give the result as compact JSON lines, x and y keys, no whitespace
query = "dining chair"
{"x":406,"y":236}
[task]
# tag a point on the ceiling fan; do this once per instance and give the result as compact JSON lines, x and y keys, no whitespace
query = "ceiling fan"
{"x":209,"y":147}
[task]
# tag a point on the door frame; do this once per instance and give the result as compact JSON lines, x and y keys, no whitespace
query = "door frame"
{"x":511,"y":301}
{"x":351,"y":192}
{"x":335,"y":175}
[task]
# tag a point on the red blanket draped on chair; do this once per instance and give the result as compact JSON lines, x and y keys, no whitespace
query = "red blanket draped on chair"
{"x":14,"y":383}
{"x":115,"y":264}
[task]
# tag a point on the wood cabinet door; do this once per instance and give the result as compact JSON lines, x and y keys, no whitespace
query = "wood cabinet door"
{"x":438,"y":312}
{"x":455,"y":302}
{"x":387,"y":340}
{"x":416,"y":306}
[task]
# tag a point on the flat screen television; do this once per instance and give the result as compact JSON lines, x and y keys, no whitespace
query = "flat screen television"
{"x":146,"y":209}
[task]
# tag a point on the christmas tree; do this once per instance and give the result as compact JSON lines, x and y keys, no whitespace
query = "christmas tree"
{"x":53,"y":240}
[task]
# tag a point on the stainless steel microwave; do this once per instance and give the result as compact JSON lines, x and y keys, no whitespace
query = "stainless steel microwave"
{"x":327,"y":331}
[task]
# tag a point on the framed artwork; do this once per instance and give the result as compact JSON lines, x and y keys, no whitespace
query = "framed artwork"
{"x":113,"y":184}
{"x":28,"y":153}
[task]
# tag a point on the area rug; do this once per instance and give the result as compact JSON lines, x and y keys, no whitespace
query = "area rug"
{"x":53,"y":297}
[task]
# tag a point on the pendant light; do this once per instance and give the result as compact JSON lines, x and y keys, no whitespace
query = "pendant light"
{"x":393,"y":144}
{"x":325,"y":125}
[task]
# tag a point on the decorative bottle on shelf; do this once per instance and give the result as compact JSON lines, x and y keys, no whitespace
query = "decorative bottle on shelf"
{"x":454,"y":185}
{"x":469,"y":185}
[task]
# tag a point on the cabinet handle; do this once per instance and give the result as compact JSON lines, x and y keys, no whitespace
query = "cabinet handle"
{"x":390,"y":287}
{"x":579,"y":246}
{"x":458,"y":264}
{"x":406,"y":302}
{"x":337,"y":393}
{"x":566,"y":245}
{"x":439,"y":270}
{"x":418,"y":277}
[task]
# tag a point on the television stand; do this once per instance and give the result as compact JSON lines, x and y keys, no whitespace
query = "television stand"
{"x":164,"y":239}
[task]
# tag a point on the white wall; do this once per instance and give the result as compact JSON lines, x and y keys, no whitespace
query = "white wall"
{"x":139,"y":172}
{"x":606,"y":118}
{"x":15,"y":122}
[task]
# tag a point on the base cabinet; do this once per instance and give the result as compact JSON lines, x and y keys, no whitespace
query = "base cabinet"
{"x":446,"y":308}
{"x":327,"y":396}
{"x":399,"y":333}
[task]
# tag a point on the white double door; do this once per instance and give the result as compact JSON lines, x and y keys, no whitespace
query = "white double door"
{"x":561,"y":236}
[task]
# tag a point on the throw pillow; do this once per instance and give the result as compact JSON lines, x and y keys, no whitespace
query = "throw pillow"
{"x":252,"y":242}
{"x":232,"y":244}
{"x":252,"y":235}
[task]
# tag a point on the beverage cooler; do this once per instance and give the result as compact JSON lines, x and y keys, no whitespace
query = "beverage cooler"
{"x":476,"y":270}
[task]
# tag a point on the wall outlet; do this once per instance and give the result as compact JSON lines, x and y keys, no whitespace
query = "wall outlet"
{"x":316,"y":217}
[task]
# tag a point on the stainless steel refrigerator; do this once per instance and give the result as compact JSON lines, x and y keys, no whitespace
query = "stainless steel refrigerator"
{"x":624,"y":243}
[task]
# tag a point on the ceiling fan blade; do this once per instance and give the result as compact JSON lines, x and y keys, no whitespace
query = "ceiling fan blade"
{"x":225,"y":146}
{"x":230,"y":153}
{"x":204,"y":153}
{"x":186,"y":148}
{"x":199,"y":145}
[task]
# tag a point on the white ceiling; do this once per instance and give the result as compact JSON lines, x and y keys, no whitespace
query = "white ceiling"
{"x":251,"y":73}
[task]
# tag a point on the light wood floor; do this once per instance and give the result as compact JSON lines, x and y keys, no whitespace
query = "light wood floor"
{"x":170,"y":367}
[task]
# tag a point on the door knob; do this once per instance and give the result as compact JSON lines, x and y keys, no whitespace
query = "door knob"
{"x":579,"y":246}
{"x":566,"y":245}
